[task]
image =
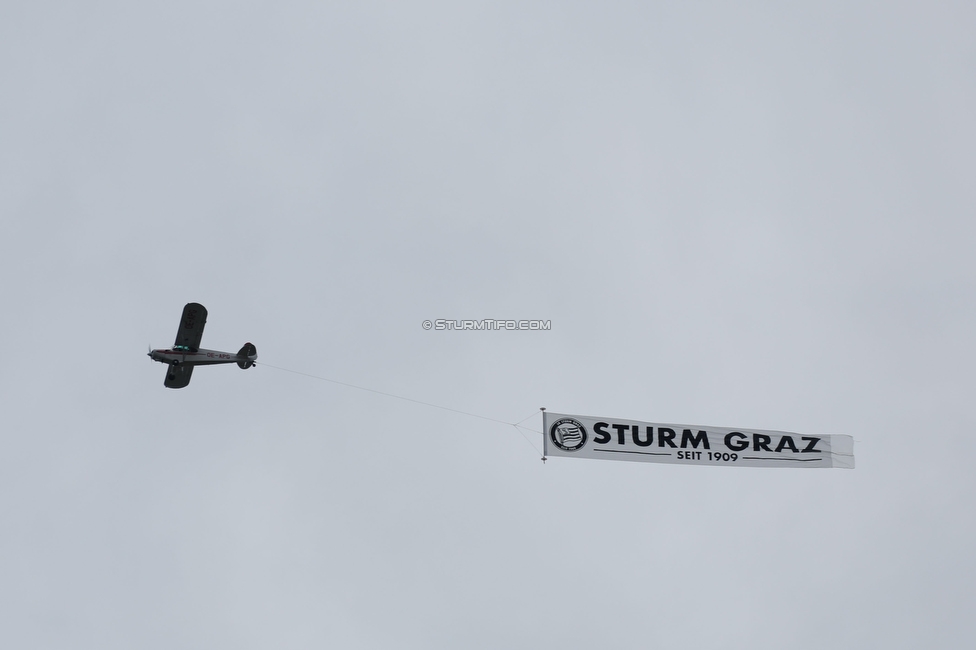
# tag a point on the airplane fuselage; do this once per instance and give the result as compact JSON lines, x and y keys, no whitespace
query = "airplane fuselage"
{"x":187,"y":353}
{"x":199,"y":358}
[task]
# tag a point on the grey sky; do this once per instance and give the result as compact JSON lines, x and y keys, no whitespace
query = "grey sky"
{"x":744,"y":214}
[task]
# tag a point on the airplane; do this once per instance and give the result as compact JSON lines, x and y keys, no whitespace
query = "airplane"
{"x":187,"y":353}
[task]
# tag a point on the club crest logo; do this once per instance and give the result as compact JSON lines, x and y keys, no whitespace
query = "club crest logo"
{"x":568,"y":434}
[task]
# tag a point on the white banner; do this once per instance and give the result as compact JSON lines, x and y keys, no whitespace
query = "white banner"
{"x":588,"y":437}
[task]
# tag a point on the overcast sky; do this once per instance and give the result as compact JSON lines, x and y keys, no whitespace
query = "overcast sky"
{"x":733,"y":214}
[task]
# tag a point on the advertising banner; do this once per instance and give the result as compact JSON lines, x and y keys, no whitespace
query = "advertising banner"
{"x":617,"y":439}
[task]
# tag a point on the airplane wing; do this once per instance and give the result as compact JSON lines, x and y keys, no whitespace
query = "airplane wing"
{"x":191,"y":327}
{"x":178,"y":376}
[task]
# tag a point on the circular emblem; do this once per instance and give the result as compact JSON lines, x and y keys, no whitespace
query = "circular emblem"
{"x":568,"y":434}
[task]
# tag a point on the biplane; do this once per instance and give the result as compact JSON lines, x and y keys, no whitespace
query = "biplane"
{"x":187,"y":353}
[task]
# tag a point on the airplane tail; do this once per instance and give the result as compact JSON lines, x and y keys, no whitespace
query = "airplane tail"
{"x":247,"y":355}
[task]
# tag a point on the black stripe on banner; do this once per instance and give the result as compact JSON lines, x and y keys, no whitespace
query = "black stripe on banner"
{"x":792,"y":460}
{"x":642,"y":453}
